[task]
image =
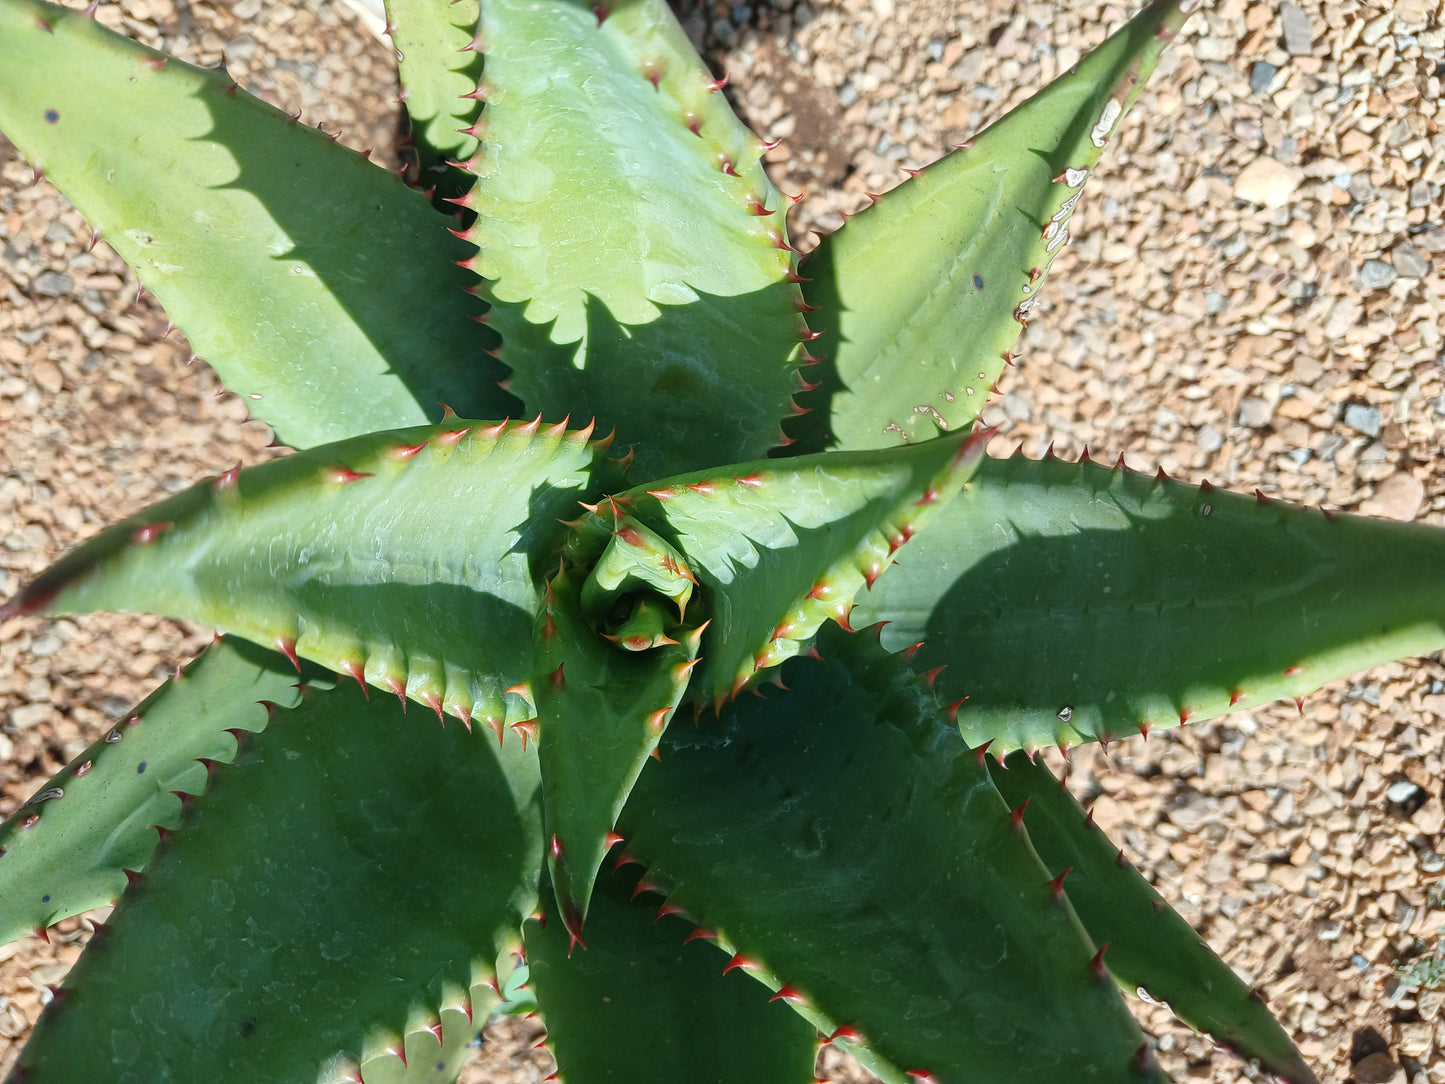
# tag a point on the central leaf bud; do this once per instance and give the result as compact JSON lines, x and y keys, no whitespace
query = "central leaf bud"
{"x":637,"y":591}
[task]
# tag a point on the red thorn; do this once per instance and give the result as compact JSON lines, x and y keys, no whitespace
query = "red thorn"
{"x":1299,"y":703}
{"x":700,"y":933}
{"x":527,"y":728}
{"x":558,"y":679}
{"x":572,"y":919}
{"x":144,"y":536}
{"x":845,"y":1033}
{"x":740,"y":961}
{"x":669,"y":908}
{"x":1235,"y":696}
{"x":352,"y":669}
{"x":646,"y":885}
{"x":1057,"y":884}
{"x":1017,"y":815}
{"x":980,"y":753}
{"x":715,"y":85}
{"x":1185,"y":714}
{"x":930,"y":676}
{"x":1144,"y":728}
{"x":345,"y":475}
{"x":556,"y":847}
{"x":227,"y":479}
{"x":287,"y":646}
{"x":433,"y":701}
{"x":1293,"y":671}
{"x":788,"y":994}
{"x":44,"y":934}
{"x":1096,"y":964}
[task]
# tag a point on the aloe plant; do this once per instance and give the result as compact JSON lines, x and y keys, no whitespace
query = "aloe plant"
{"x":739,"y":642}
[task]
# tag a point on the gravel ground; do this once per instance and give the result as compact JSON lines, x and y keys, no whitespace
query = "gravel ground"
{"x":1254,"y":295}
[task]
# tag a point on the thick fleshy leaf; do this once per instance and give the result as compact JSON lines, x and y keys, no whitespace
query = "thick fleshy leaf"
{"x":66,"y":850}
{"x":781,"y":546}
{"x":1071,"y":602}
{"x":316,"y":283}
{"x":1149,"y":946}
{"x":389,"y":868}
{"x":601,"y":710}
{"x":439,"y":69}
{"x":848,"y":849}
{"x":641,"y":1005}
{"x":408,"y":559}
{"x":632,"y":245}
{"x":922,"y":297}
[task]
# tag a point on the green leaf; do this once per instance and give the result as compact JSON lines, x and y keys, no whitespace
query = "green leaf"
{"x":633,"y":278}
{"x":1150,"y":947}
{"x":1071,"y":602}
{"x":369,"y":901}
{"x":407,"y":559}
{"x":601,"y":710}
{"x":66,"y":849}
{"x":922,"y":296}
{"x":781,"y":546}
{"x":439,"y":71}
{"x":641,"y":1005}
{"x":850,"y":851}
{"x":316,"y":283}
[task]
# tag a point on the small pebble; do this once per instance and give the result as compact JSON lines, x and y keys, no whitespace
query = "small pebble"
{"x":1266,"y":181}
{"x":1400,"y":496}
{"x":52,"y":284}
{"x":1363,"y":418}
{"x":1299,"y":33}
{"x":1377,"y":275}
{"x":1409,"y":261}
{"x":1401,"y":792}
{"x":1261,"y":75}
